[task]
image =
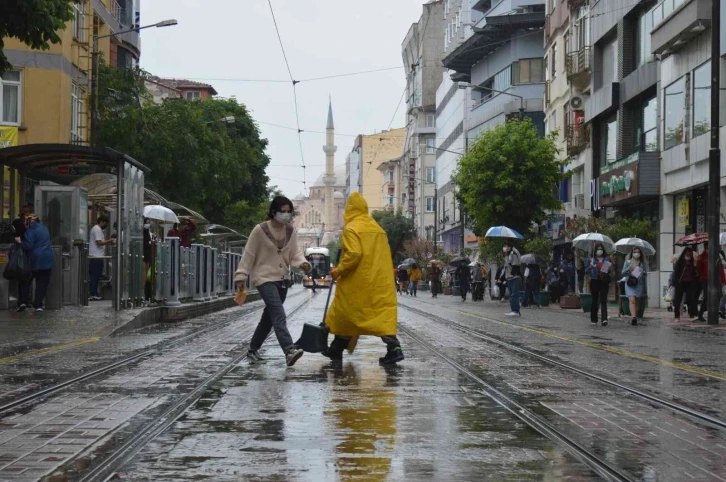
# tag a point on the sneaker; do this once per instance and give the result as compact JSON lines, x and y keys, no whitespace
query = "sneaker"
{"x":593,"y":322}
{"x":394,"y":355}
{"x":39,"y":310}
{"x":605,"y":322}
{"x":293,"y":355}
{"x":514,"y":313}
{"x":253,"y":356}
{"x":21,"y":307}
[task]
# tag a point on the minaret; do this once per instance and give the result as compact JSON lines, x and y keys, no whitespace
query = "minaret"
{"x":329,"y":178}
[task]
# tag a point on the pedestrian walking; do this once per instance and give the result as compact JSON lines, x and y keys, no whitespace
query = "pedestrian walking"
{"x":634,"y":270}
{"x":435,"y":277}
{"x":531,"y":287}
{"x":513,"y":275}
{"x":36,"y":241}
{"x":599,"y":269}
{"x":403,"y":280}
{"x":97,"y":252}
{"x":500,"y":284}
{"x":462,"y":273}
{"x":553,"y":284}
{"x":568,"y":268}
{"x":702,"y":267}
{"x":270,"y":251}
{"x":685,"y":281}
{"x":314,"y":277}
{"x":477,"y":278}
{"x":362,"y":265}
{"x":414,"y":276}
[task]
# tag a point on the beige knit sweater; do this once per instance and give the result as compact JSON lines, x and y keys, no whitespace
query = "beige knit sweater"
{"x":262,"y":260}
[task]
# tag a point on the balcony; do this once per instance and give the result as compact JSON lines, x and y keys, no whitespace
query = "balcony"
{"x":577,"y":137}
{"x":575,"y":3}
{"x":578,"y":66}
{"x":115,"y":10}
{"x":675,"y":22}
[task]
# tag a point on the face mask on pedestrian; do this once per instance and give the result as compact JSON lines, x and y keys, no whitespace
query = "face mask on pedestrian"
{"x":506,"y":249}
{"x":599,"y":252}
{"x":636,"y":255}
{"x":283,"y":217}
{"x":688,"y":257}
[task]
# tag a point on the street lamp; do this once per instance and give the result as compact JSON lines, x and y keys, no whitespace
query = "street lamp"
{"x":94,"y":71}
{"x":464,"y":85}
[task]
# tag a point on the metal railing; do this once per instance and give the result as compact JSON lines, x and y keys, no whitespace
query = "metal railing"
{"x":116,"y":10}
{"x":577,"y":137}
{"x":664,"y":9}
{"x":579,"y":62}
{"x":575,"y":3}
{"x":197,"y":273}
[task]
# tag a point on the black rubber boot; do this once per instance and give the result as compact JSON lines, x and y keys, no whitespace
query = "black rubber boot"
{"x":336,"y":349}
{"x":394,"y":355}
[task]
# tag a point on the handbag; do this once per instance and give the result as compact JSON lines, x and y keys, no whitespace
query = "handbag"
{"x":632,"y":281}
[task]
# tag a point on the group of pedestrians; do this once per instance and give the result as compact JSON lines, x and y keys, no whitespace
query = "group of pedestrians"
{"x":407,"y":279}
{"x":689,"y":280}
{"x":34,"y":239}
{"x":271,"y":250}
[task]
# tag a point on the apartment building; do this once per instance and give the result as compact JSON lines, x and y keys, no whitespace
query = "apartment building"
{"x":453,"y":107}
{"x":188,"y":89}
{"x":395,"y":181}
{"x":44,"y":98}
{"x":501,"y":71}
{"x":422,"y":50}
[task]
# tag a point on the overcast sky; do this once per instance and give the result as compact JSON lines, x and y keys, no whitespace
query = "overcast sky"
{"x":236,"y":39}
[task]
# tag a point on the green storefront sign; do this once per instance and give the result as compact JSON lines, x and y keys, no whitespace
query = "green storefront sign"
{"x":617,"y":184}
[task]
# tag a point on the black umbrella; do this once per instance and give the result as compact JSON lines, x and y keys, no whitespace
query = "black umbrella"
{"x":459,"y":260}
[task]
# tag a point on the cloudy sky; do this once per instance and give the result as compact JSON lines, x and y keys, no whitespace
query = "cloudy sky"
{"x":236,"y":39}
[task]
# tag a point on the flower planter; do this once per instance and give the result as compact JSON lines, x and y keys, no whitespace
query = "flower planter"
{"x":570,"y":302}
{"x":586,"y":302}
{"x":447,"y":291}
{"x":543,"y":299}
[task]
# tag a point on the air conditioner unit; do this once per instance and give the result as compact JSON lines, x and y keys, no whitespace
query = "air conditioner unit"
{"x":576,"y":103}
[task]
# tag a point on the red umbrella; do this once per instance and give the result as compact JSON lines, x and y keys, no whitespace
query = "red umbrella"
{"x":693,"y":239}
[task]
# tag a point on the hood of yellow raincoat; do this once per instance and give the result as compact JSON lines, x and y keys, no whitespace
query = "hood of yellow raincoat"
{"x":356,"y":206}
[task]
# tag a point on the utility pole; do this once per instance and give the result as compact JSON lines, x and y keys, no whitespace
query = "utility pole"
{"x":714,"y":168}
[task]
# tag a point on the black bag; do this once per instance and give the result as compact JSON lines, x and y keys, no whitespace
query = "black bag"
{"x":18,"y":267}
{"x":632,"y":281}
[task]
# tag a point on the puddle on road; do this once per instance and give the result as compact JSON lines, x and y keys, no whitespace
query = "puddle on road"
{"x":351,"y":421}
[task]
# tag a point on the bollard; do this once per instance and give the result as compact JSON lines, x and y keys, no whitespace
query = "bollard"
{"x":198,"y":272}
{"x":208,"y":272}
{"x":173,"y":268}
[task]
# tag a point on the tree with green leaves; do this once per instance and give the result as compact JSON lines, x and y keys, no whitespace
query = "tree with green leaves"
{"x":212,"y":167}
{"x":398,"y":227}
{"x":510,"y":176}
{"x":36,"y":23}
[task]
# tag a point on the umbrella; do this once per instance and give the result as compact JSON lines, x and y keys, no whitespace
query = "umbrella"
{"x":459,"y":260}
{"x":437,"y":262}
{"x":693,"y":239}
{"x":160,"y":213}
{"x":503,"y":232}
{"x":626,"y":245}
{"x":408,"y":261}
{"x":532,"y":259}
{"x":586,"y":241}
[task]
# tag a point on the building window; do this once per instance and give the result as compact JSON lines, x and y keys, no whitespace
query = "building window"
{"x":528,"y":71}
{"x":430,"y":120}
{"x":608,"y":142}
{"x":10,"y":97}
{"x":390,"y":176}
{"x":492,"y":86}
{"x":430,"y":145}
{"x":195,"y":95}
{"x":645,"y":25}
{"x":430,"y":175}
{"x":429,"y":204}
{"x":403,"y":198}
{"x":649,"y":141}
{"x":77,"y":110}
{"x":79,"y":21}
{"x":675,"y":113}
{"x":553,"y":60}
{"x":702,"y":99}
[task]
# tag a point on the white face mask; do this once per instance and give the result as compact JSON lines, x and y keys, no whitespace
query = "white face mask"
{"x":636,"y":255}
{"x":147,"y":226}
{"x":283,"y":217}
{"x":599,"y":252}
{"x":505,"y":249}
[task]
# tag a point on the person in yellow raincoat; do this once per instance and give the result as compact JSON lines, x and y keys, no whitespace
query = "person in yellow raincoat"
{"x":364,"y":267}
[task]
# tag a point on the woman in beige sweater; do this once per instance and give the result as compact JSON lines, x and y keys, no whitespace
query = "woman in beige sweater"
{"x":270,"y":251}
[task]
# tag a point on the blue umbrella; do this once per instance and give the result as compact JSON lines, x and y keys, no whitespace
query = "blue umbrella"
{"x":503,"y":232}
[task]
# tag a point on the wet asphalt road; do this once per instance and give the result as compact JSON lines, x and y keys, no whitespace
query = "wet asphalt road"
{"x":422,"y":420}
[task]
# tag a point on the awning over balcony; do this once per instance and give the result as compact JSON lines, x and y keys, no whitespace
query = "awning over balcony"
{"x":498,"y":29}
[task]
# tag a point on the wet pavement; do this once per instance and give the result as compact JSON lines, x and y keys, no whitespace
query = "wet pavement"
{"x":196,"y":410}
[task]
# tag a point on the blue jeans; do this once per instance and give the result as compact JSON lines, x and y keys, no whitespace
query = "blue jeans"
{"x":96,"y":268}
{"x":273,"y":293}
{"x":513,"y":285}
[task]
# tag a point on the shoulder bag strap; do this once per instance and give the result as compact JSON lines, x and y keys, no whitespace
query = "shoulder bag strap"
{"x":268,"y":233}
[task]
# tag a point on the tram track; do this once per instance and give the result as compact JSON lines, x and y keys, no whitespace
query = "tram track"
{"x":106,"y":469}
{"x":642,"y":395}
{"x":39,"y":395}
{"x":600,"y":466}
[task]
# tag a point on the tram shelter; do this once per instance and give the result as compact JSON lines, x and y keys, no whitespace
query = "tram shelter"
{"x":43,"y":175}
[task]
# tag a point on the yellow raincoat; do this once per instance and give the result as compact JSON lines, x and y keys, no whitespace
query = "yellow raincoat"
{"x":365,"y":300}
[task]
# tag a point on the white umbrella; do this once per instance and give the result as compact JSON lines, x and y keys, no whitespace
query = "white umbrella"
{"x":160,"y":213}
{"x":626,"y":245}
{"x":586,"y":241}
